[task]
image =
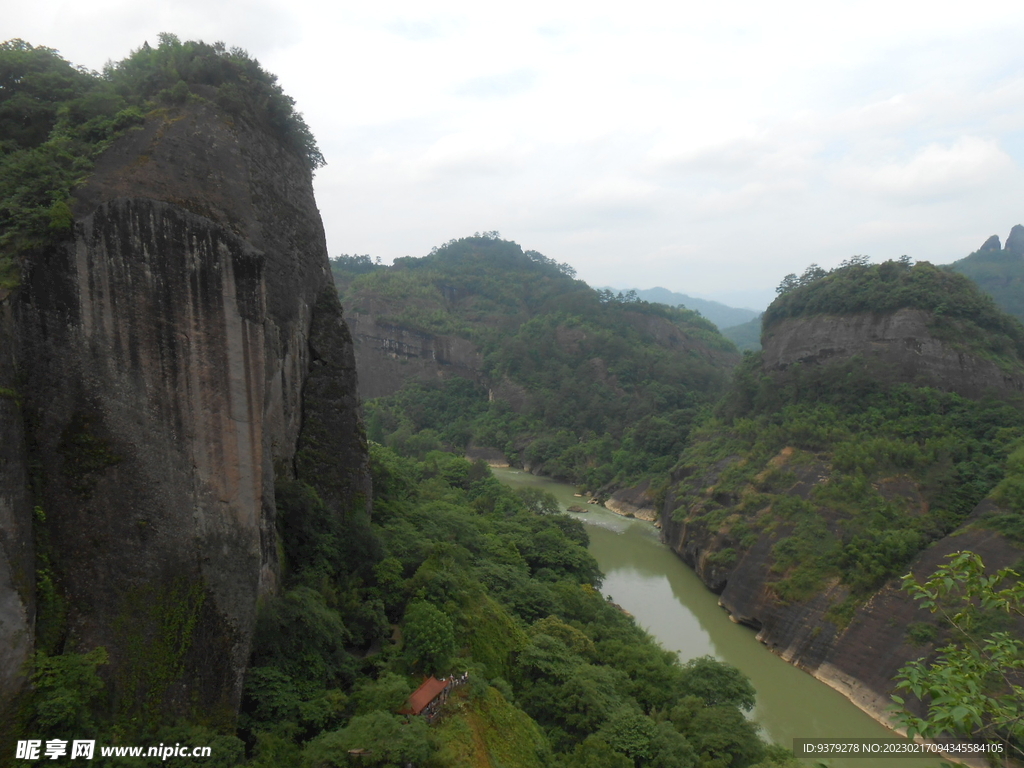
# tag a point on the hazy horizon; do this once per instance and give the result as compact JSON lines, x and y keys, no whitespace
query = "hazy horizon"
{"x":707,"y":150}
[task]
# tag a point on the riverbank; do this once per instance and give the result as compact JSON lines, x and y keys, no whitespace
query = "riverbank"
{"x":668,"y":599}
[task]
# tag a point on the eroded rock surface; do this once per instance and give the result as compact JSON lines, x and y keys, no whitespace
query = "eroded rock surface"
{"x":163,"y":355}
{"x":895,"y":347}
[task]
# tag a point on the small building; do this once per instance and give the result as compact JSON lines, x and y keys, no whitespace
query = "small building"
{"x":423,"y":696}
{"x":428,"y":699}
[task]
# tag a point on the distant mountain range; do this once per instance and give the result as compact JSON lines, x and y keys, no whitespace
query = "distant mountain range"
{"x":998,"y":270}
{"x":720,"y":314}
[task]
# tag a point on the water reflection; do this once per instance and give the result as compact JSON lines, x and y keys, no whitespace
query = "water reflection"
{"x":669,"y":601}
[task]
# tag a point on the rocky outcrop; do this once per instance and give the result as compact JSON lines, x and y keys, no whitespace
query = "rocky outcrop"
{"x":894,"y":347}
{"x":637,"y":502}
{"x":165,"y":352}
{"x":388,"y":354}
{"x":859,"y":658}
{"x":1015,"y":241}
{"x":992,"y":244}
{"x":490,"y":456}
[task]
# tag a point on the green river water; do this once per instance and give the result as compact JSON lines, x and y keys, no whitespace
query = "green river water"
{"x":647,"y":579}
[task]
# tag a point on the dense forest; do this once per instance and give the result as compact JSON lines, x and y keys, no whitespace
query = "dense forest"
{"x":56,"y":119}
{"x":456,"y":574}
{"x":605,"y":386}
{"x":834,"y":465}
{"x":846,"y":475}
{"x":460,"y":574}
{"x":999,"y":271}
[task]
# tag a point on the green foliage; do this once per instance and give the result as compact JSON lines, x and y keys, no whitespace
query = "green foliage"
{"x":485,"y":580}
{"x":604,"y":388}
{"x":236,"y":81}
{"x":67,"y":688}
{"x":972,"y":687}
{"x":1000,"y":274}
{"x":539,"y":501}
{"x":837,"y":471}
{"x":273,"y":698}
{"x":55,"y":119}
{"x":717,"y":683}
{"x":489,"y":730}
{"x":157,"y":626}
{"x":746,"y":337}
{"x":629,"y":731}
{"x":226,"y":749}
{"x":388,"y":693}
{"x":962,"y":313}
{"x":299,"y":634}
{"x":388,"y":741}
{"x":429,"y":637}
{"x":921,"y":633}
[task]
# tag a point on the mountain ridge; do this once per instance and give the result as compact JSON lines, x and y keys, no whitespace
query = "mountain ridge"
{"x":722,"y":315}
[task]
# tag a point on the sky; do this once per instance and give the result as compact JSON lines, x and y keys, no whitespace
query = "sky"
{"x":708,"y":148}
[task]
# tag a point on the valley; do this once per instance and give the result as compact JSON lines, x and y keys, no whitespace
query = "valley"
{"x":246,"y":496}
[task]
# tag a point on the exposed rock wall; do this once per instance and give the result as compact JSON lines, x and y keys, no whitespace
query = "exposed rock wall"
{"x":17,"y":567}
{"x":166,"y":350}
{"x":894,"y":347}
{"x":635,"y":502}
{"x":859,"y":659}
{"x":388,"y":355}
{"x":857,"y":655}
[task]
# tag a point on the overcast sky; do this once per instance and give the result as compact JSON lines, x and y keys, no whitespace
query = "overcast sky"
{"x":709,"y":148}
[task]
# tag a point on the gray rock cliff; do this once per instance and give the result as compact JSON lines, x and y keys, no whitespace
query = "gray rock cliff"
{"x":859,"y":652}
{"x":161,"y":357}
{"x":898,"y":346}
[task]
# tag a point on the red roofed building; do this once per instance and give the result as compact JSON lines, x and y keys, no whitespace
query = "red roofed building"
{"x":422,"y":696}
{"x":428,"y":699}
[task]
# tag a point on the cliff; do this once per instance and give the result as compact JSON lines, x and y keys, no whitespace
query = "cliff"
{"x":897,"y":347}
{"x":172,"y":355}
{"x":389,"y":354}
{"x":858,"y":654}
{"x":860,"y":443}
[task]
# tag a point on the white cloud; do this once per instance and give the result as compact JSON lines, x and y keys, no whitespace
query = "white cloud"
{"x":935,"y":171}
{"x":473,"y":153}
{"x":643,"y":141}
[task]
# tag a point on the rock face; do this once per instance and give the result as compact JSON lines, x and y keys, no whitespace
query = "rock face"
{"x":895,"y":347}
{"x":163,"y":354}
{"x":388,"y":354}
{"x":992,"y":244}
{"x":1015,"y":241}
{"x":635,"y":502}
{"x":858,"y":651}
{"x":860,"y":658}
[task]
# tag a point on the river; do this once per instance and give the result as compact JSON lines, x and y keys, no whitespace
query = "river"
{"x":647,"y":579}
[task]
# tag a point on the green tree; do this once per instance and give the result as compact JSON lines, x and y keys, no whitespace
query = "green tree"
{"x":429,"y":637}
{"x":387,"y":740}
{"x":385,"y":694}
{"x":972,"y":688}
{"x":67,"y":688}
{"x":717,"y":683}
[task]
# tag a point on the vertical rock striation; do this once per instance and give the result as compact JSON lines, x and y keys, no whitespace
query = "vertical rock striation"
{"x":164,"y":352}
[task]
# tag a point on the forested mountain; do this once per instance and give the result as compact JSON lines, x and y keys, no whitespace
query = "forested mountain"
{"x":747,"y":336}
{"x":499,"y":348}
{"x":999,"y":271}
{"x":187,"y":553}
{"x":191,"y":548}
{"x":718,"y":313}
{"x":872,"y":434}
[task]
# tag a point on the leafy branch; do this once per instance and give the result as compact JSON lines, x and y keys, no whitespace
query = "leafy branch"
{"x":973,"y":687}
